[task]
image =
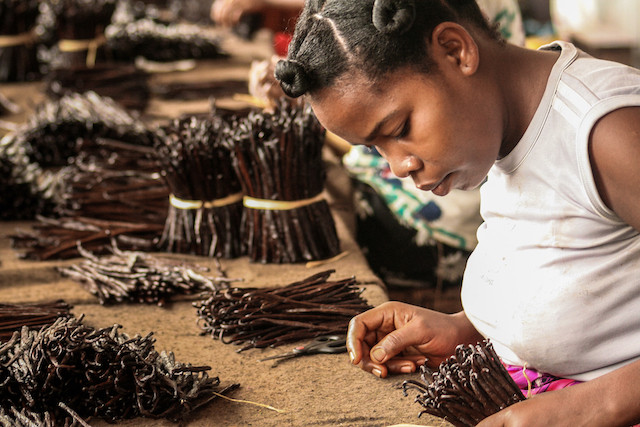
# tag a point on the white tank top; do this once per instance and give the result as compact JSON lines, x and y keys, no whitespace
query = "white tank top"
{"x":554,"y":282}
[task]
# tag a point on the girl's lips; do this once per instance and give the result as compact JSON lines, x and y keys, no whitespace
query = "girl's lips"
{"x":433,"y":187}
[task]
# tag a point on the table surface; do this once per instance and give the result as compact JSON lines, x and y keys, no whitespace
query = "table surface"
{"x":313,"y":390}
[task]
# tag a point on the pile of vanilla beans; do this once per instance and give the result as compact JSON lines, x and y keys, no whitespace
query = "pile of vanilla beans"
{"x":270,"y":317}
{"x":51,"y":134}
{"x":206,"y":200}
{"x":138,"y":277}
{"x":468,"y":387}
{"x":18,"y":40}
{"x":68,"y":372}
{"x":278,"y":158}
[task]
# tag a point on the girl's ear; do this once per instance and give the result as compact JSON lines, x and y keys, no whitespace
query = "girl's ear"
{"x":452,"y":43}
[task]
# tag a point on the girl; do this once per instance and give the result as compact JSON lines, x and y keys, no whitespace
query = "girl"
{"x":554,"y":137}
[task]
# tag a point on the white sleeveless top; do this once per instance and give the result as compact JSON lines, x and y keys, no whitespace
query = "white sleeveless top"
{"x":555,"y":279}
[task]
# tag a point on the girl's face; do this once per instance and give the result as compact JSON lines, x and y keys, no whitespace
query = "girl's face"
{"x":441,"y":131}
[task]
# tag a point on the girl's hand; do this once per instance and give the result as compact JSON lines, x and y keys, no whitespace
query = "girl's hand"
{"x":397,"y":337}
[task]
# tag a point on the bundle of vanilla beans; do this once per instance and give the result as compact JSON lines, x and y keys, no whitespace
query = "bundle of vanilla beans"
{"x":70,"y":372}
{"x":468,"y":387}
{"x":124,"y":83}
{"x":14,"y":316}
{"x":18,"y":40}
{"x":278,"y":157}
{"x":162,"y":42}
{"x":270,"y":317}
{"x":78,"y":29}
{"x":51,"y":134}
{"x":206,"y":200}
{"x":138,"y":277}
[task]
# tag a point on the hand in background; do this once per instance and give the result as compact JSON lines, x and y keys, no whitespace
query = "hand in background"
{"x":228,"y":12}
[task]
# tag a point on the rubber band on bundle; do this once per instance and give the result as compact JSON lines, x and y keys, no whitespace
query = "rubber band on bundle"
{"x":279,"y":205}
{"x":79,"y":45}
{"x":17,"y":39}
{"x":197,"y":204}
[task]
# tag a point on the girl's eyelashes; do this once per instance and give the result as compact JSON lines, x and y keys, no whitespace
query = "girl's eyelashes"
{"x":404,"y":131}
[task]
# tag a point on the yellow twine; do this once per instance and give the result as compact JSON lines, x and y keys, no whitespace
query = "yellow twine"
{"x":197,"y":204}
{"x":312,"y":264}
{"x":262,"y":405}
{"x":17,"y":39}
{"x":524,"y":373}
{"x":79,"y":45}
{"x":279,"y":205}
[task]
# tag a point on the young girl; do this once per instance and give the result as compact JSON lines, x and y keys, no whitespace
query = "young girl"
{"x":553,"y":136}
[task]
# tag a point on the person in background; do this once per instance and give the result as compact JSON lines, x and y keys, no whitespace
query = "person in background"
{"x":552,"y":136}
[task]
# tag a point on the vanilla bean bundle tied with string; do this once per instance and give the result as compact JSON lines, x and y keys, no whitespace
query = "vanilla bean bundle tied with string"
{"x":278,"y":157}
{"x":18,"y":40}
{"x":269,"y":317}
{"x":78,"y":28}
{"x":127,"y":276}
{"x":468,"y":387}
{"x":69,"y":371}
{"x":206,"y":199}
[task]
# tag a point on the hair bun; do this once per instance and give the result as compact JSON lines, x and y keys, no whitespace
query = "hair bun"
{"x":393,"y":16}
{"x":293,"y":77}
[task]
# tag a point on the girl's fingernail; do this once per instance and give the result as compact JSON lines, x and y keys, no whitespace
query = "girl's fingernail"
{"x":377,"y":372}
{"x":406,"y":369}
{"x":378,"y":354}
{"x":351,"y":356}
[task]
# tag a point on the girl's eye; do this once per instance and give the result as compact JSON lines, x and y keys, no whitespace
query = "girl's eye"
{"x":404,"y":131}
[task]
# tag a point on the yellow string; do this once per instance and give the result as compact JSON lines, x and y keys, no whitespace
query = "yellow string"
{"x":279,"y":205}
{"x":312,"y":264}
{"x":17,"y":39}
{"x":262,"y":405}
{"x":197,"y":204}
{"x":524,"y":373}
{"x":78,"y":45}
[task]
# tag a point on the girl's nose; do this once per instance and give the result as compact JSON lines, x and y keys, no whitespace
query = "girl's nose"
{"x":403,"y":166}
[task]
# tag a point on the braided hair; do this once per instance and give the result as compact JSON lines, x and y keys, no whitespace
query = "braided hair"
{"x":372,"y":36}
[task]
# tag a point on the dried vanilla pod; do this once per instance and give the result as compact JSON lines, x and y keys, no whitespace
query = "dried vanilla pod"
{"x":278,"y":157}
{"x":14,"y":316}
{"x":270,"y":317}
{"x":104,"y":373}
{"x":162,"y":42}
{"x":205,"y":208}
{"x":128,"y":276}
{"x":467,"y":387}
